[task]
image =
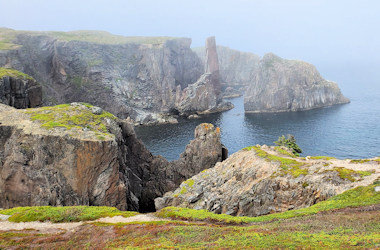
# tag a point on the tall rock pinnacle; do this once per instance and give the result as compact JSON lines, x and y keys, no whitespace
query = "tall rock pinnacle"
{"x":212,"y":64}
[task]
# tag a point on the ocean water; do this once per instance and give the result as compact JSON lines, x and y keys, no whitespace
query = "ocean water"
{"x":343,"y":131}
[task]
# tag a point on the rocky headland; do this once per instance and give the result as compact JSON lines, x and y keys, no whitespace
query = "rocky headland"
{"x":149,"y":79}
{"x":263,"y":180}
{"x":79,"y":154}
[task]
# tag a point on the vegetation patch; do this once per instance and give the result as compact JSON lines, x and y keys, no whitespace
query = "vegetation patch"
{"x":322,"y":158}
{"x":70,"y":116}
{"x":349,"y":174}
{"x":63,"y":214}
{"x":283,"y":151}
{"x":357,"y":161}
{"x":360,"y":196}
{"x":14,"y":73}
{"x":287,"y":166}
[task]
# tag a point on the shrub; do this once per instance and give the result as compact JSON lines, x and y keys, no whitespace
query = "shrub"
{"x":290,"y":142}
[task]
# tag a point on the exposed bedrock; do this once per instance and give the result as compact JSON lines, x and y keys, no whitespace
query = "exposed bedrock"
{"x":78,"y":154}
{"x":261,"y":180}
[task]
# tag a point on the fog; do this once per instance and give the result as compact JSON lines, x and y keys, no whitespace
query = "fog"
{"x":341,"y":37}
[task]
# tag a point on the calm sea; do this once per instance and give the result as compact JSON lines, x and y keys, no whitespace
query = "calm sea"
{"x":343,"y":131}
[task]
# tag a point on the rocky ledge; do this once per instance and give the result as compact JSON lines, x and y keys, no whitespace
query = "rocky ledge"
{"x":261,"y":180}
{"x":78,"y":154}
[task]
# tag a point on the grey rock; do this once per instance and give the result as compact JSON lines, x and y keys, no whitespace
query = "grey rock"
{"x":246,"y":184}
{"x":289,"y":85}
{"x":20,"y":92}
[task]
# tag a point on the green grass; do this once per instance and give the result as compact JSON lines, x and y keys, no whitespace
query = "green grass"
{"x":283,"y":151}
{"x":349,"y":174}
{"x":377,"y":160}
{"x":287,"y":166}
{"x":69,"y":117}
{"x":14,"y":73}
{"x":63,"y":214}
{"x":322,"y":158}
{"x":360,"y":196}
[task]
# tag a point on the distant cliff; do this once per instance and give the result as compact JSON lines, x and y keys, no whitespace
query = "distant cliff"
{"x":237,"y":68}
{"x":19,"y":90}
{"x":273,"y":84}
{"x":78,"y":154}
{"x":289,"y":85}
{"x":140,"y":77}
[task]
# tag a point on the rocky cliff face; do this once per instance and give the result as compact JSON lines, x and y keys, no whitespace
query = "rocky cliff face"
{"x":136,"y":77}
{"x":262,"y":180}
{"x":78,"y":154}
{"x":19,"y":90}
{"x":237,"y":68}
{"x":289,"y":85}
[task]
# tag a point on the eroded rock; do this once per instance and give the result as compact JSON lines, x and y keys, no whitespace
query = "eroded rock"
{"x":261,"y":180}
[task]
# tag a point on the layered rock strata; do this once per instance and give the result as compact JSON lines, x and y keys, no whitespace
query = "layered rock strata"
{"x":262,"y":180}
{"x":78,"y":154}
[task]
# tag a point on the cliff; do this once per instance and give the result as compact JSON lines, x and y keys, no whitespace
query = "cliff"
{"x":78,"y":154}
{"x":289,"y":85}
{"x":262,"y":180}
{"x":237,"y":68}
{"x":128,"y":76}
{"x":19,"y":90}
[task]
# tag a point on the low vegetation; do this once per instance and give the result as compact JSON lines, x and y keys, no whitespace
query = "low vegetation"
{"x":14,"y":73}
{"x":360,"y":196}
{"x":322,"y":158}
{"x":349,"y":174}
{"x":62,"y":214}
{"x":69,"y":117}
{"x":287,"y":166}
{"x":345,"y":221}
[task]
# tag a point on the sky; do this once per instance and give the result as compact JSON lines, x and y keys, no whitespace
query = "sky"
{"x":335,"y":35}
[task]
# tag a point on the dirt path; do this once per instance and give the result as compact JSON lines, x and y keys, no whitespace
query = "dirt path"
{"x":48,"y":227}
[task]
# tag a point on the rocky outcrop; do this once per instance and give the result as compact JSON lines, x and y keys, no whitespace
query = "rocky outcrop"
{"x":19,"y":90}
{"x":289,"y":85}
{"x":78,"y":154}
{"x":204,"y":96}
{"x":262,"y":180}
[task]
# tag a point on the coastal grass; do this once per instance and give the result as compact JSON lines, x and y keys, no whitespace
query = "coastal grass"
{"x":287,"y":166}
{"x":14,"y":73}
{"x":360,"y":196}
{"x":322,"y":158}
{"x":69,"y":117}
{"x":63,"y":214}
{"x":349,"y":174}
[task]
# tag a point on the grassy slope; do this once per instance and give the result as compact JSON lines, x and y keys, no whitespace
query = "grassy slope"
{"x":62,"y":214}
{"x":330,"y":224}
